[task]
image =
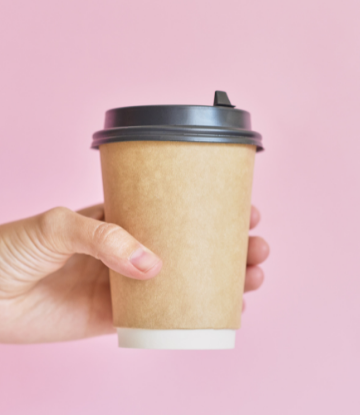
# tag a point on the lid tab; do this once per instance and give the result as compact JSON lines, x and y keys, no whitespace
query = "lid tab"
{"x":221,"y":100}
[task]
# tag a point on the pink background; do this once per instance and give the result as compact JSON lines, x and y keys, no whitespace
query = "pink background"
{"x":295,"y":65}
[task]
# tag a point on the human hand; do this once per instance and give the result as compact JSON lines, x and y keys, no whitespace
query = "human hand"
{"x":54,"y":277}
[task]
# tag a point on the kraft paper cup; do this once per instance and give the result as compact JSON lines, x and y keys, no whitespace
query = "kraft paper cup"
{"x":179,"y":179}
{"x":190,"y":204}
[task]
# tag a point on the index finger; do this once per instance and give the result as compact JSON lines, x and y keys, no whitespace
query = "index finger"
{"x":95,"y":212}
{"x":254,"y":217}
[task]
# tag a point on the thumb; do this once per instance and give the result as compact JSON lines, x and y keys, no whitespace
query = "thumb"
{"x":66,"y":232}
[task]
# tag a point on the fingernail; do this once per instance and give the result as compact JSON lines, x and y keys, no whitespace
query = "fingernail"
{"x":143,"y":259}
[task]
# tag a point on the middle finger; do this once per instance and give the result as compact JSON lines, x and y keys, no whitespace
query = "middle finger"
{"x":258,"y":250}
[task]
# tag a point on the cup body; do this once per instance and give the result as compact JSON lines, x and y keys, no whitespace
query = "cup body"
{"x":188,"y":202}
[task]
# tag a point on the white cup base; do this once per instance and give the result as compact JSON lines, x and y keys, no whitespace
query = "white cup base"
{"x":202,"y":339}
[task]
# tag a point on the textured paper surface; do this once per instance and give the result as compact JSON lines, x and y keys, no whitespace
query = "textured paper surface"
{"x":190,"y":204}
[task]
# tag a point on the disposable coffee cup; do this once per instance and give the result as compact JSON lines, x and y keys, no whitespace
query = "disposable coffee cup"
{"x":178,"y":178}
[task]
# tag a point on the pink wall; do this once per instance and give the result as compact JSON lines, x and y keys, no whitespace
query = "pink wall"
{"x":295,"y":66}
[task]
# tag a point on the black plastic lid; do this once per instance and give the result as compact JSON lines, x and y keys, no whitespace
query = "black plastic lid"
{"x":220,"y":123}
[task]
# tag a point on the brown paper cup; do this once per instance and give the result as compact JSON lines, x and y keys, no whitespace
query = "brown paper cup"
{"x":188,"y":202}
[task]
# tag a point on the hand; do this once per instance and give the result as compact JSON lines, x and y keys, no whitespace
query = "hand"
{"x":54,"y":279}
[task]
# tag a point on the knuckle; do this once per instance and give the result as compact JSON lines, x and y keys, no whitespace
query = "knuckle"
{"x":103,"y":231}
{"x":113,"y":236}
{"x":49,"y":221}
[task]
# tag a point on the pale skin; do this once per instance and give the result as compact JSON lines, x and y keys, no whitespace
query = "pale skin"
{"x":54,"y":273}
